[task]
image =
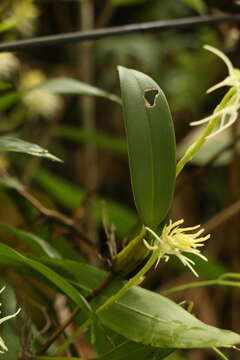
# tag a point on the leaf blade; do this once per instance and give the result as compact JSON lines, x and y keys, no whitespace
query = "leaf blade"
{"x":146,"y":317}
{"x":151,"y":145}
{"x":34,"y":241}
{"x":10,"y":143}
{"x":57,"y":280}
{"x":75,"y":87}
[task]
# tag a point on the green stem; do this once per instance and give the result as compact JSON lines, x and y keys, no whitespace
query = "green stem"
{"x":218,"y":282}
{"x":230,"y":276}
{"x":196,"y":146}
{"x":135,"y":280}
{"x":131,"y":256}
{"x":217,"y":351}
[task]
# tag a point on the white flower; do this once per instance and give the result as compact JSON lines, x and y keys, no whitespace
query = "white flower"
{"x":176,"y":241}
{"x":8,"y":64}
{"x":229,"y":112}
{"x":39,"y":102}
{"x":3,"y":347}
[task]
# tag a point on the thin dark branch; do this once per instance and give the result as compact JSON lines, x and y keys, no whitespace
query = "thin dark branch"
{"x":73,"y":315}
{"x":117,"y":30}
{"x":57,"y":216}
{"x":222,"y":217}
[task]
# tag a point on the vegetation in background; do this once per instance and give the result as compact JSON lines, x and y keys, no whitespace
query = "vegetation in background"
{"x":79,"y":232}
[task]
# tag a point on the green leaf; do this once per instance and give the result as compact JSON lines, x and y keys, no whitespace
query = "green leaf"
{"x":151,"y":319}
{"x":75,"y":87}
{"x":8,"y":143}
{"x":151,"y":145}
{"x":126,"y":351}
{"x":88,"y":277}
{"x":4,"y":85}
{"x":70,"y":196}
{"x":130,"y":350}
{"x":7,"y":100}
{"x":34,"y":241}
{"x":53,"y":277}
{"x":106,"y":142}
{"x":146,"y":317}
{"x":198,"y":5}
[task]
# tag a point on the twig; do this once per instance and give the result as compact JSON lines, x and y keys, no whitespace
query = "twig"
{"x":75,"y":312}
{"x":105,"y":15}
{"x":55,"y":215}
{"x":117,"y":30}
{"x":222,"y":216}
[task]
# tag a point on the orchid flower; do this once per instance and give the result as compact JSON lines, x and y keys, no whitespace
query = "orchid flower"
{"x":229,"y":112}
{"x":175,"y":240}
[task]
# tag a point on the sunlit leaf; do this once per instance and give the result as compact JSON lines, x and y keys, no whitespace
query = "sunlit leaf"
{"x":144,"y":316}
{"x":149,"y":318}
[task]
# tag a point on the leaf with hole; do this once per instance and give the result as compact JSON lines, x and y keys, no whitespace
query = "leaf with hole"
{"x":151,"y":145}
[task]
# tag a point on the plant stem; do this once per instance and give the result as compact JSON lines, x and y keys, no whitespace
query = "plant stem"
{"x":131,"y":256}
{"x":217,"y":351}
{"x":75,"y":312}
{"x":135,"y":280}
{"x":218,"y":282}
{"x":196,"y":146}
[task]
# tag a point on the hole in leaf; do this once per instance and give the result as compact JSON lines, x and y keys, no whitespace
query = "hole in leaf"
{"x":150,"y":97}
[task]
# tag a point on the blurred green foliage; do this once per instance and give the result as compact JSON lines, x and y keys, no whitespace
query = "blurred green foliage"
{"x":35,"y":110}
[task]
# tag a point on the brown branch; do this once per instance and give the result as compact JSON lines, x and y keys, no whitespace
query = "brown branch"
{"x":223,"y":216}
{"x":105,"y":15}
{"x":75,"y":312}
{"x":56,"y":215}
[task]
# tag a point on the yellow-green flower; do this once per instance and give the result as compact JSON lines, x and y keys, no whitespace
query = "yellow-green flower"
{"x":175,"y":240}
{"x":3,"y":347}
{"x":229,"y":113}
